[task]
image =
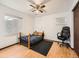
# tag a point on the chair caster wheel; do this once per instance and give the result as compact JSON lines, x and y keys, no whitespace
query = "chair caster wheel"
{"x":58,"y":42}
{"x":61,"y":45}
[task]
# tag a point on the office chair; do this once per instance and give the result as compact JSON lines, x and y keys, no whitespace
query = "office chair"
{"x":64,"y":35}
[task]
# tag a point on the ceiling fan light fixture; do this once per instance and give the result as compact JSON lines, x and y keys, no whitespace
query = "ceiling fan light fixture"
{"x":38,"y":5}
{"x":37,"y":11}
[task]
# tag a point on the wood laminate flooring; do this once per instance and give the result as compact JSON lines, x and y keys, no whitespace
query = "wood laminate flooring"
{"x":19,"y":51}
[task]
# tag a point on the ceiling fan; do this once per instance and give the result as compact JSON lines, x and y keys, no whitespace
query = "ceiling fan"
{"x":38,"y":5}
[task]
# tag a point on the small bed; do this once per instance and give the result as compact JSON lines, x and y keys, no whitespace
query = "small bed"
{"x":31,"y":39}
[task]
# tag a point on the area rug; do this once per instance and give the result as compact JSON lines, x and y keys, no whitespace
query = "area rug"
{"x":42,"y":47}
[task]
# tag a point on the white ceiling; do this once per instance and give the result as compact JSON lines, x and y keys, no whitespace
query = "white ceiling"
{"x":53,"y":6}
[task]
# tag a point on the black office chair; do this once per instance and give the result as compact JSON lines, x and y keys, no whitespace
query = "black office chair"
{"x":64,"y":35}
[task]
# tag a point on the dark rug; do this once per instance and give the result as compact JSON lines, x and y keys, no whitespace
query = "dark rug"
{"x":42,"y":47}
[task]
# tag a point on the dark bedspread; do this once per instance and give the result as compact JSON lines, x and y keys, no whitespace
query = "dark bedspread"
{"x":33,"y":39}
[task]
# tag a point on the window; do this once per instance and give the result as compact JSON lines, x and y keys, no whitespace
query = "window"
{"x":13,"y":24}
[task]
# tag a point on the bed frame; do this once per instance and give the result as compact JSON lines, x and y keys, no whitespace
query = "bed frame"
{"x":39,"y":33}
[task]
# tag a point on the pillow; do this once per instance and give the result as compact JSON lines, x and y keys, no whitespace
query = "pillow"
{"x":38,"y":33}
{"x":35,"y":33}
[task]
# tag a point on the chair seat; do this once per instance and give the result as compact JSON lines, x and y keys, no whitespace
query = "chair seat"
{"x":61,"y":38}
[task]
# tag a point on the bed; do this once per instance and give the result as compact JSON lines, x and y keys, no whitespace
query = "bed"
{"x":31,"y":39}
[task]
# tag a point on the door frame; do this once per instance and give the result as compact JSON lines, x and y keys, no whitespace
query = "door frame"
{"x":74,"y":20}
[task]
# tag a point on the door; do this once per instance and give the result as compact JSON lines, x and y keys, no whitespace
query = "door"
{"x":76,"y":28}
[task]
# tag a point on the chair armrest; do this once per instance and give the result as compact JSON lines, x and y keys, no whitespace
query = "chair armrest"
{"x":58,"y":34}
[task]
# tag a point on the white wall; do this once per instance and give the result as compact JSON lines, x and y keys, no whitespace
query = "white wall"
{"x":27,"y":25}
{"x":70,"y":21}
{"x":51,"y":27}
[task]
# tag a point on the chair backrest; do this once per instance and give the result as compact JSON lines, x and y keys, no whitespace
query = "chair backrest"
{"x":65,"y":32}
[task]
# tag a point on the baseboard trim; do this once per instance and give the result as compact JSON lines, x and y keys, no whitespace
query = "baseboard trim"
{"x":75,"y":51}
{"x":8,"y":46}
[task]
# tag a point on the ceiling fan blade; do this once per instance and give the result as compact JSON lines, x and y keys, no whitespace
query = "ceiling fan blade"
{"x":43,"y":6}
{"x":32,"y":6}
{"x":33,"y":10}
{"x":41,"y":11}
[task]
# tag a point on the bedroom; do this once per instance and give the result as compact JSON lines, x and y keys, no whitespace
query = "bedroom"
{"x":30,"y":22}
